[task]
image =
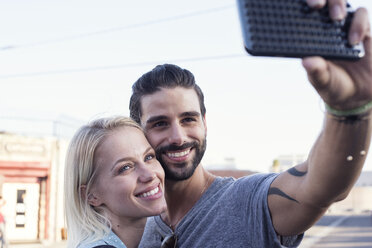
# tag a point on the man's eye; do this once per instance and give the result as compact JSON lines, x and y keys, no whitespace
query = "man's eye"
{"x":160,"y":124}
{"x":149,"y":157}
{"x":188,"y":119}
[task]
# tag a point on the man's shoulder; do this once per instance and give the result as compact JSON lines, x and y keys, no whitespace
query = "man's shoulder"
{"x":261,"y":176}
{"x":155,"y":229}
{"x":253,"y":179}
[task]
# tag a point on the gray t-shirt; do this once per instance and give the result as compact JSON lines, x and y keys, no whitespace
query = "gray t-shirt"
{"x":231,"y":213}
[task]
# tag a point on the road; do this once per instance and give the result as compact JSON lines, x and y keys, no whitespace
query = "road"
{"x":341,"y":231}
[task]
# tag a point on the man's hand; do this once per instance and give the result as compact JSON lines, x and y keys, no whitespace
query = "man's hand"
{"x":343,"y":85}
{"x":301,"y":195}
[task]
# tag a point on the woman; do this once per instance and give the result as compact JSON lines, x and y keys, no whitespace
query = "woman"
{"x":112,"y":183}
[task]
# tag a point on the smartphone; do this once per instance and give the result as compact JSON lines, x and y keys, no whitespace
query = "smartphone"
{"x":290,"y":28}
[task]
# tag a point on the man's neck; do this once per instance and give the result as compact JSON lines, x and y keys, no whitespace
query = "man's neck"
{"x":181,"y":196}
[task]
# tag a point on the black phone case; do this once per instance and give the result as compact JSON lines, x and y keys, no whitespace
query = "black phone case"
{"x":289,"y":28}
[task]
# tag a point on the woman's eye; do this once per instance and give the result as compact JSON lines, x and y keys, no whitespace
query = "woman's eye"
{"x":124,"y":168}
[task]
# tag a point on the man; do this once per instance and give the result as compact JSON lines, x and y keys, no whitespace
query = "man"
{"x":263,"y":210}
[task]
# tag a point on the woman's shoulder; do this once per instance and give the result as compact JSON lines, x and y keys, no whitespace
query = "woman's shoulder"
{"x":110,"y":240}
{"x":104,"y":246}
{"x":90,"y":244}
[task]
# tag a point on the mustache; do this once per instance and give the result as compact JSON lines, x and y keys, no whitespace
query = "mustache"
{"x":172,"y":147}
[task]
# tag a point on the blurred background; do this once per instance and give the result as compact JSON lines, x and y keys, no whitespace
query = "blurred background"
{"x":64,"y":63}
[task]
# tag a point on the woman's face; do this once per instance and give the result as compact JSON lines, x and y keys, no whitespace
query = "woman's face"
{"x":130,"y":181}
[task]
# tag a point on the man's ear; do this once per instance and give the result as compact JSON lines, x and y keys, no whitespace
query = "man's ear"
{"x":93,"y":200}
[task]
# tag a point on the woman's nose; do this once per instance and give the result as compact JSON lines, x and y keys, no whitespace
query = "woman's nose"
{"x":146,"y":174}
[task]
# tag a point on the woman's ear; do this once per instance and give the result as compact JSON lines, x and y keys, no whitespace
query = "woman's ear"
{"x":93,"y":200}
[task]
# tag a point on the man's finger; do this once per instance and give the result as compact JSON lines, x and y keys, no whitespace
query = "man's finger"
{"x":333,"y":83}
{"x":360,"y":26}
{"x":317,"y":71}
{"x":316,"y":3}
{"x":337,"y":9}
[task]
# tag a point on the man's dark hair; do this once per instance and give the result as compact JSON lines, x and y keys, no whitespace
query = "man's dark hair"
{"x":162,"y":76}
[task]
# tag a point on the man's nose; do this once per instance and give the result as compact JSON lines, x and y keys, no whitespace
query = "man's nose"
{"x":176,"y":135}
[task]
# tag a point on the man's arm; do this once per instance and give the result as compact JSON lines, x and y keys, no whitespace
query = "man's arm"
{"x":301,"y":195}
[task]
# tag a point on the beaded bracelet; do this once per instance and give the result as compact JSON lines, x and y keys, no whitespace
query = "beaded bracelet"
{"x":352,"y":112}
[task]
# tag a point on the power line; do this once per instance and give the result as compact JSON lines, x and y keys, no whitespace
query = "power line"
{"x":58,"y":120}
{"x":117,"y":29}
{"x":110,"y":67}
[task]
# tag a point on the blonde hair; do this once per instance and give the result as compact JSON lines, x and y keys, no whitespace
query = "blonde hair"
{"x":83,"y":221}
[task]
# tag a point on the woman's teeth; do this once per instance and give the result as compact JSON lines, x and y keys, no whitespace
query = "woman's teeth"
{"x":150,"y":193}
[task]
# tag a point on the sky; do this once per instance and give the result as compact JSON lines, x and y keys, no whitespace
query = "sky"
{"x":68,"y":62}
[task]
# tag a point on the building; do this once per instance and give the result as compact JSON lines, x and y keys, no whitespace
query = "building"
{"x":32,"y":158}
{"x":365,"y":179}
{"x":359,"y":198}
{"x":285,"y":162}
{"x":31,"y":169}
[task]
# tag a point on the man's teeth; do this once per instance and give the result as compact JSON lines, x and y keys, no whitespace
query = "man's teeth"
{"x":150,"y":193}
{"x":178,"y":154}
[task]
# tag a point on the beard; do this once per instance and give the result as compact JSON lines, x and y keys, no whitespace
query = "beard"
{"x":187,"y":169}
